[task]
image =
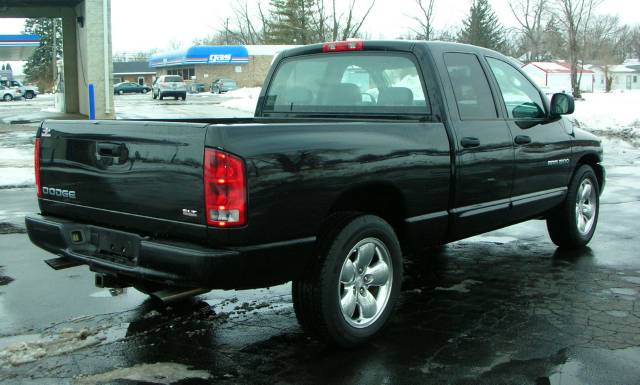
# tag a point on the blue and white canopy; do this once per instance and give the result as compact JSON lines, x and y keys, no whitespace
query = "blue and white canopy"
{"x":18,"y":47}
{"x":201,"y":54}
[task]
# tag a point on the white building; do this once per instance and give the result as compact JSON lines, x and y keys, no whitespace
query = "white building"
{"x":623,"y":76}
{"x":556,"y":76}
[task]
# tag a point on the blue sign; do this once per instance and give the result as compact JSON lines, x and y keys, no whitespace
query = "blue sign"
{"x":202,"y":54}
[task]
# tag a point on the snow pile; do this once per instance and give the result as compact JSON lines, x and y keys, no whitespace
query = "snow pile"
{"x":16,"y":160}
{"x":158,"y":373}
{"x":66,"y":341}
{"x":243,"y":99}
{"x":616,"y":111}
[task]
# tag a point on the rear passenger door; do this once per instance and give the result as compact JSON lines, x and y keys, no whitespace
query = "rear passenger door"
{"x":483,"y":148}
{"x":542,"y":146}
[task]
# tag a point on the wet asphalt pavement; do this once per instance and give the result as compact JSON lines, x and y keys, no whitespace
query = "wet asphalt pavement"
{"x":503,"y":308}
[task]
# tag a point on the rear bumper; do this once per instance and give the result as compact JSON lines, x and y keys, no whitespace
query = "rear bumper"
{"x":173,"y":92}
{"x":170,"y":263}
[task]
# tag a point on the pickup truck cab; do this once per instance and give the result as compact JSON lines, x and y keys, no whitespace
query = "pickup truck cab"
{"x":359,"y":153}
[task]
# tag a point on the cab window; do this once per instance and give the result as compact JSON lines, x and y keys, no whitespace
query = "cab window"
{"x":470,"y":87}
{"x":369,"y":83}
{"x":522,"y":99}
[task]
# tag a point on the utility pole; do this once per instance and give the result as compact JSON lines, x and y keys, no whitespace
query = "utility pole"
{"x":54,"y":55}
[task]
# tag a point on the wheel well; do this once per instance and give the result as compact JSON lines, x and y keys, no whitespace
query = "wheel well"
{"x":593,"y":161}
{"x":383,"y":200}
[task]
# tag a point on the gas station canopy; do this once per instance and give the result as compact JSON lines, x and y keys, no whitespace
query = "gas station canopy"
{"x":17,"y":47}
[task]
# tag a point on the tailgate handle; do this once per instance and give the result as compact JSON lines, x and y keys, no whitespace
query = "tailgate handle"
{"x":113,"y":150}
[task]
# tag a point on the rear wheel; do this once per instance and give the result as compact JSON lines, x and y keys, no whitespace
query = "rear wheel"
{"x":7,"y":97}
{"x":351,"y":290}
{"x":184,"y":97}
{"x":160,"y":95}
{"x":144,"y":90}
{"x":120,"y":92}
{"x":29,"y":95}
{"x":573,"y":224}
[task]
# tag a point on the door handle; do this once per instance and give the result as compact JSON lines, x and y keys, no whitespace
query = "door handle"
{"x":522,"y":139}
{"x":468,"y":142}
{"x":113,"y":150}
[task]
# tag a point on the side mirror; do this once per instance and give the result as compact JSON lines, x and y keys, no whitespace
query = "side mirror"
{"x":562,"y":104}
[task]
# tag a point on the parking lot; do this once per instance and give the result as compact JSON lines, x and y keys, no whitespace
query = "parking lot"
{"x":130,"y":106}
{"x":505,"y":307}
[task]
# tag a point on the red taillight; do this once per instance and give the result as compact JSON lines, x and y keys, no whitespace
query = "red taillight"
{"x":224,"y":189}
{"x":339,"y":46}
{"x":36,"y":166}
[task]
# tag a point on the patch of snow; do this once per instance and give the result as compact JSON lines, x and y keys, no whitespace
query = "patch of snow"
{"x":243,"y":99}
{"x":613,"y":111}
{"x":66,"y":341}
{"x":462,"y":287}
{"x":158,"y":373}
{"x":17,"y":177}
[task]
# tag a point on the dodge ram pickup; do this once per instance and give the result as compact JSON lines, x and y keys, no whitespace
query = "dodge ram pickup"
{"x":360,"y":152}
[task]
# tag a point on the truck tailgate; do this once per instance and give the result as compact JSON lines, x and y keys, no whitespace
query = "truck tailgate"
{"x":144,"y":176}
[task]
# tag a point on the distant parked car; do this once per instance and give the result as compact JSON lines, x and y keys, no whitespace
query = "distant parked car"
{"x":10,"y":93}
{"x":223,"y":85}
{"x":130,"y":88}
{"x":198,"y":87}
{"x":28,"y":92}
{"x":169,"y":85}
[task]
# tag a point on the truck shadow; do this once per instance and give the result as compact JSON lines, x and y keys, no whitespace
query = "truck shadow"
{"x":466,"y":311}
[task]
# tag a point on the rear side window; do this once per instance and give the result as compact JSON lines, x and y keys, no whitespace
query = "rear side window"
{"x":173,"y":79}
{"x":522,"y":99}
{"x":368,"y":83}
{"x":470,"y":86}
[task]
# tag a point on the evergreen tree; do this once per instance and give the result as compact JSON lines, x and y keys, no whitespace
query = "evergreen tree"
{"x":482,"y":27}
{"x":39,"y":67}
{"x":291,"y":22}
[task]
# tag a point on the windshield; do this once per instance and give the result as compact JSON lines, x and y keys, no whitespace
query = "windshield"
{"x":365,"y":83}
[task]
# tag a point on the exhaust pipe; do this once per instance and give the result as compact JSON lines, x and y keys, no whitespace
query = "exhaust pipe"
{"x":176,"y":294}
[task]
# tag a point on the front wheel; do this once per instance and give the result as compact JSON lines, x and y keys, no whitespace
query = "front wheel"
{"x":573,"y":224}
{"x":120,"y":92}
{"x":352,"y":288}
{"x":144,"y":90}
{"x":29,"y":95}
{"x":8,"y":98}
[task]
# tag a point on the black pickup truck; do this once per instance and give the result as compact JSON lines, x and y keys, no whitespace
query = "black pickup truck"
{"x":359,"y":153}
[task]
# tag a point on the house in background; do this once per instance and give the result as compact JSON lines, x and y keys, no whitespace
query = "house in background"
{"x":133,"y":71}
{"x":624,"y":76}
{"x":556,"y":76}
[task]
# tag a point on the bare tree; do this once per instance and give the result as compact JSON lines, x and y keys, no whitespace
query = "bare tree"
{"x":425,"y":19}
{"x":347,"y":25}
{"x":575,"y":16}
{"x":531,"y":16}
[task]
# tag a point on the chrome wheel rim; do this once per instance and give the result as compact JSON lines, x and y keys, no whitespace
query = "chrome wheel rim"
{"x":365,"y":283}
{"x":586,"y":207}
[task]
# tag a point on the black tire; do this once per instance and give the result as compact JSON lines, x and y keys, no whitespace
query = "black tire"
{"x":29,"y":95}
{"x":144,"y":90}
{"x":7,"y":97}
{"x":316,"y":296}
{"x":120,"y":92}
{"x":563,"y":223}
{"x":160,"y":97}
{"x":153,"y":94}
{"x":184,"y":97}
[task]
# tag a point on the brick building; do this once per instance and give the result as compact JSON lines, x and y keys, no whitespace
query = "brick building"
{"x":247,"y":65}
{"x":133,"y":71}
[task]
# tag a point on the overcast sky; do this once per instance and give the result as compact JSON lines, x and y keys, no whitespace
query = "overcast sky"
{"x":140,"y":25}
